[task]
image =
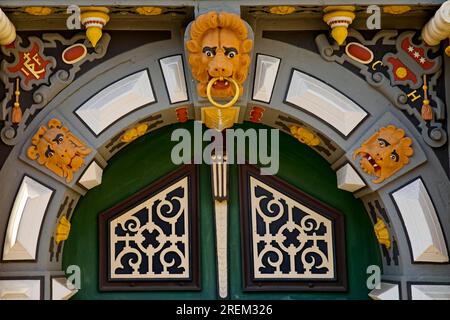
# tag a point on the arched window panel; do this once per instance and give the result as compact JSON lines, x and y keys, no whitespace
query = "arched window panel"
{"x":291,"y":241}
{"x":150,"y":241}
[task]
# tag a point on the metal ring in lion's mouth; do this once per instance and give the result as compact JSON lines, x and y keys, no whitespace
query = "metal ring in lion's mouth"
{"x":228,"y":104}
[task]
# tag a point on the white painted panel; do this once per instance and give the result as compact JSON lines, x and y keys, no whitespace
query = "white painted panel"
{"x":25,"y":220}
{"x":430,"y":292}
{"x":116,"y":101}
{"x":265,"y":75}
{"x":324,"y":102}
{"x":20,"y":289}
{"x":387,"y":291}
{"x":421,"y":222}
{"x":173,"y":72}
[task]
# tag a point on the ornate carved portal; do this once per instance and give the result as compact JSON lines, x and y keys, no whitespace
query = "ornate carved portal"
{"x":150,"y":239}
{"x":291,"y":241}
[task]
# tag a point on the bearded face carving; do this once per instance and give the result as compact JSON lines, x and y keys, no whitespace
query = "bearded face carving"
{"x":58,"y":149}
{"x":384,"y":153}
{"x":219,"y":48}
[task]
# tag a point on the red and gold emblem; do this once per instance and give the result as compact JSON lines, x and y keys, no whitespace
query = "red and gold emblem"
{"x":410,"y":62}
{"x":31,"y":65}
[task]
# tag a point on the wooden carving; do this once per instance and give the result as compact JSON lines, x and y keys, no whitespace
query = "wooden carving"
{"x":384,"y":153}
{"x":56,"y":148}
{"x":219,"y":50}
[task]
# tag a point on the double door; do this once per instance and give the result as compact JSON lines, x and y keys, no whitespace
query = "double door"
{"x":154,"y":230}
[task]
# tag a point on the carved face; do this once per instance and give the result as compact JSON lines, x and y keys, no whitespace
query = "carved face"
{"x":58,"y":149}
{"x":219,"y":48}
{"x":384,"y":153}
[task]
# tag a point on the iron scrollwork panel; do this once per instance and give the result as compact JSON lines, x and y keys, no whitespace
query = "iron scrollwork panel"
{"x":291,"y":241}
{"x":150,"y":240}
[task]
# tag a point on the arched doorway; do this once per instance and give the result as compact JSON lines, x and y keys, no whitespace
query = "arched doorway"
{"x":138,"y":166}
{"x":416,"y":257}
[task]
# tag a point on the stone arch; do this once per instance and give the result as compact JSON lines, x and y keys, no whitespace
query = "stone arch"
{"x":158,"y":66}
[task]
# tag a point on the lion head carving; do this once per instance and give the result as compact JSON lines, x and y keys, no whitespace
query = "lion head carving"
{"x":384,"y":153}
{"x":58,"y":149}
{"x":219,"y":48}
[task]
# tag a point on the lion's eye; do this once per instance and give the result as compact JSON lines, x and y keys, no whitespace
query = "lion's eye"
{"x":59,"y":138}
{"x":383,"y":143}
{"x":49,"y":152}
{"x":394,"y":156}
{"x":230,"y":52}
{"x":209,"y":51}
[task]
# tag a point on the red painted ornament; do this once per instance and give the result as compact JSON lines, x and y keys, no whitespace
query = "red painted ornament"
{"x":417,"y":54}
{"x":256,"y":114}
{"x":74,"y":53}
{"x":401,"y":71}
{"x":31,"y":65}
{"x":358,"y":52}
{"x":182,"y":114}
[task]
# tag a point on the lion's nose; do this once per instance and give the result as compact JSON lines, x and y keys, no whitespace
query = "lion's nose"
{"x":220,"y":67}
{"x":219,"y":71}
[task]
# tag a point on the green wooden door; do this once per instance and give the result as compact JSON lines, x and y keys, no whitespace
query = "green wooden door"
{"x":303,"y":168}
{"x":136,"y":166}
{"x":148,"y":159}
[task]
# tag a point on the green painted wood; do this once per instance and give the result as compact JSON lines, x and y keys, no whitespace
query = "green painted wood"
{"x":307,"y":170}
{"x":136,"y":166}
{"x":148,"y":159}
